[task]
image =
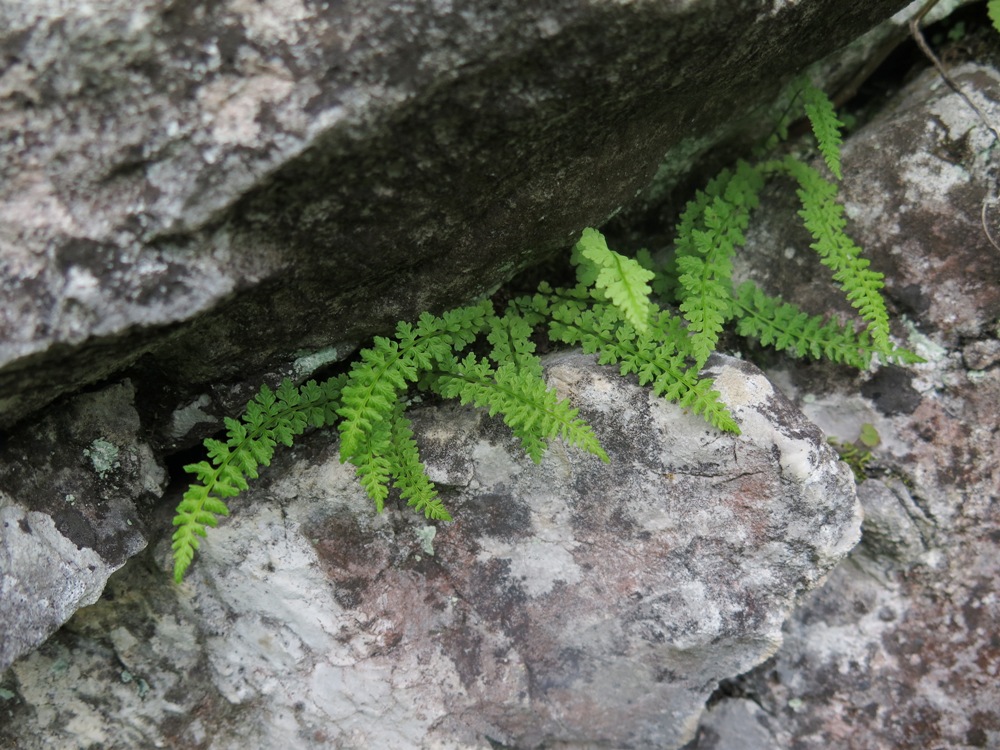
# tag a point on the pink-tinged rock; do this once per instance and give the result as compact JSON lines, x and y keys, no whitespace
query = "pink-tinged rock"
{"x":573,"y":602}
{"x":900,"y":649}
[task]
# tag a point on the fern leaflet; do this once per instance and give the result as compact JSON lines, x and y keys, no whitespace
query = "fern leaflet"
{"x":621,"y":280}
{"x":383,"y":374}
{"x":658,"y":357}
{"x":408,"y":472}
{"x":776,"y":323}
{"x":533,"y":411}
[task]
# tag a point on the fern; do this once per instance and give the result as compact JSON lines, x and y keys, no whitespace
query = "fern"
{"x":659,"y":356}
{"x":478,"y":357}
{"x":621,"y":280}
{"x":370,"y":433}
{"x":824,"y":218}
{"x":776,"y":323}
{"x":533,"y":411}
{"x":408,"y":472}
{"x":710,"y":230}
{"x":825,"y":126}
{"x":271,"y":417}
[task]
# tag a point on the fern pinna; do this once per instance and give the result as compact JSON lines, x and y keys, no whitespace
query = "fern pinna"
{"x":478,"y":357}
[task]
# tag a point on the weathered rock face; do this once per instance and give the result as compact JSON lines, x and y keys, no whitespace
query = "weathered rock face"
{"x":220,"y":186}
{"x":572,"y":602}
{"x":69,"y":490}
{"x":900,"y":649}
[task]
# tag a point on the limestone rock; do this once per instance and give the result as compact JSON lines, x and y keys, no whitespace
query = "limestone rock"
{"x":214,"y":189}
{"x":571,"y":602}
{"x":899,"y":649}
{"x":69,"y":490}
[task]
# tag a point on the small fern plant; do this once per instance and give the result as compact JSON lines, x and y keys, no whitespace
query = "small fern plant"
{"x":658,"y":323}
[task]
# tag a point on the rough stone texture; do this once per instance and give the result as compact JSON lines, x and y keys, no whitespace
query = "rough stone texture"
{"x":900,"y":648}
{"x":69,"y":489}
{"x":179,"y":177}
{"x":572,"y":603}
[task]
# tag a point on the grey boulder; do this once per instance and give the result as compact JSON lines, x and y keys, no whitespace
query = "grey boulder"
{"x":209,"y":190}
{"x":74,"y":488}
{"x":571,"y":602}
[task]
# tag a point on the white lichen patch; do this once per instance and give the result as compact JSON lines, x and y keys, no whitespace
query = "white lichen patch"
{"x":740,"y":390}
{"x":308,"y":362}
{"x":779,"y":5}
{"x":537,"y":563}
{"x":234,"y":107}
{"x":492,"y":464}
{"x":184,"y":419}
{"x":939,"y":11}
{"x":922,"y":345}
{"x":930,"y":179}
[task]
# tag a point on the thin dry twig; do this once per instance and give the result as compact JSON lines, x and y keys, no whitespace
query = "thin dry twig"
{"x":918,"y":37}
{"x":986,"y":230}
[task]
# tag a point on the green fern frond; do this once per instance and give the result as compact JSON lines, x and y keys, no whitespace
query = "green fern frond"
{"x":409,"y":475}
{"x":659,"y":357}
{"x":691,"y":217}
{"x":825,"y":126}
{"x":510,"y":337}
{"x":784,"y":326}
{"x":532,"y":410}
{"x":823,"y":216}
{"x":270,"y":417}
{"x":707,"y":236}
{"x":621,"y":280}
{"x":385,"y":371}
{"x":610,"y":313}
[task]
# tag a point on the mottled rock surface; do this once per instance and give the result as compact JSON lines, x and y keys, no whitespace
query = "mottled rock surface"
{"x":900,"y":648}
{"x":215,"y":188}
{"x":70,"y":485}
{"x":570,"y":603}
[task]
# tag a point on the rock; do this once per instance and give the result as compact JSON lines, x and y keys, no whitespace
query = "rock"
{"x":69,"y":489}
{"x":214,"y":190}
{"x":899,"y":648}
{"x":735,"y":722}
{"x":570,"y":603}
{"x":981,"y":354}
{"x":894,"y":526}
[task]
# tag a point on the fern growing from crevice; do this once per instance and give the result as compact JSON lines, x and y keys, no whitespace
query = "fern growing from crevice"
{"x":479,"y":357}
{"x":271,"y":417}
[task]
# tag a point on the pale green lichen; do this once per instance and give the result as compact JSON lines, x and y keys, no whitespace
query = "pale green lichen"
{"x":425,"y":535}
{"x":103,"y":456}
{"x":922,"y":345}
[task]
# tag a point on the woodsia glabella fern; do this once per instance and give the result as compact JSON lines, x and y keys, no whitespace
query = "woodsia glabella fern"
{"x":659,"y":324}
